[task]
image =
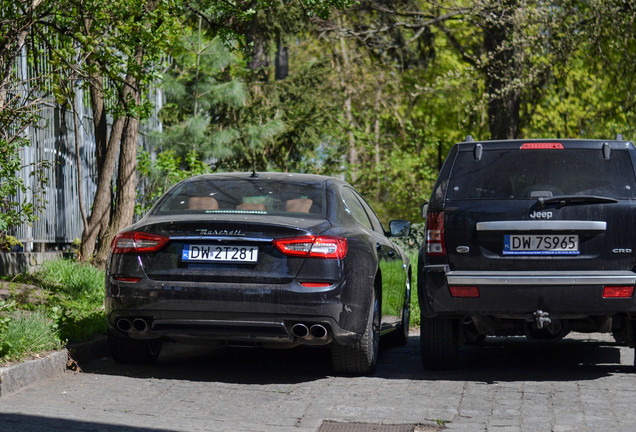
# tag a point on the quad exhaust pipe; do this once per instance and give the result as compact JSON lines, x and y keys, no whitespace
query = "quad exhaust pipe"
{"x":137,"y":325}
{"x":314,"y":331}
{"x":318,"y":331}
{"x":300,"y":330}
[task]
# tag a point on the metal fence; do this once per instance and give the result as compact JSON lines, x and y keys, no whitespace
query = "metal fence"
{"x":53,"y":140}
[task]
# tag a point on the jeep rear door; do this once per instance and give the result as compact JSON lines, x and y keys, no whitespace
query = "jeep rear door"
{"x":532,"y":206}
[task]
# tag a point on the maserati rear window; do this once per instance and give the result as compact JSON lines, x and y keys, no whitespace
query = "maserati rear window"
{"x":522,"y":174}
{"x":244,"y":197}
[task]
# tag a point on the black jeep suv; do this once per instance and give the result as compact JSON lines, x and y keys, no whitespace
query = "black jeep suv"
{"x":528,"y":237}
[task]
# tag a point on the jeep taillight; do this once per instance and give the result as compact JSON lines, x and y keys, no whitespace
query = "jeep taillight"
{"x":435,"y":243}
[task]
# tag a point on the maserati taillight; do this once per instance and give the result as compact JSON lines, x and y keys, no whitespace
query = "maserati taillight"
{"x":313,"y":246}
{"x":435,"y":243}
{"x":137,"y":242}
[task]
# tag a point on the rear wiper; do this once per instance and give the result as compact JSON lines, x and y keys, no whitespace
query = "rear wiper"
{"x":574,"y":199}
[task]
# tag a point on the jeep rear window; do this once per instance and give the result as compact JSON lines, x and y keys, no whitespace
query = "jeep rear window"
{"x":523,"y":174}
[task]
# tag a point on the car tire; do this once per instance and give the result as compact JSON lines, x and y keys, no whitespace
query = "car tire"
{"x":400,"y":336}
{"x":439,"y":343}
{"x":361,"y":357}
{"x":133,"y":351}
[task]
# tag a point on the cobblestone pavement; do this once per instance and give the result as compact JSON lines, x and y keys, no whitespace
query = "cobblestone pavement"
{"x":502,"y":386}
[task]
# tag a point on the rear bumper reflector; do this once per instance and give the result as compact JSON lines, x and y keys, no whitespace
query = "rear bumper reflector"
{"x":315,"y":284}
{"x":464,"y":291}
{"x":618,"y":291}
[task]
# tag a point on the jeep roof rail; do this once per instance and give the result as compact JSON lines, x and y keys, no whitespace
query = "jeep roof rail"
{"x":469,"y":138}
{"x":478,"y":151}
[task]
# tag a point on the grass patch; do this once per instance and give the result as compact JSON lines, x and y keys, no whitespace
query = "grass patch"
{"x":68,"y":307}
{"x":24,"y":333}
{"x":415,"y":305}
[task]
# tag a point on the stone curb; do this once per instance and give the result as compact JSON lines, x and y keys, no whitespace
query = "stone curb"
{"x":23,"y":374}
{"x":29,"y":372}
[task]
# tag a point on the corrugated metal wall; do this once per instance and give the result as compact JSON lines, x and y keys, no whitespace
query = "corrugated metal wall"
{"x":53,"y":140}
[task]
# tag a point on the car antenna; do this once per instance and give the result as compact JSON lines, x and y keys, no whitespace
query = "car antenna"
{"x":254,"y":173}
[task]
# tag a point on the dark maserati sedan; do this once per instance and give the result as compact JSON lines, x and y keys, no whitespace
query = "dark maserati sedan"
{"x":269,"y":259}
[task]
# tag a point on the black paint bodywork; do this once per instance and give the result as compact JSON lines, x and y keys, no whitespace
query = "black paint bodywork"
{"x":515,"y":290}
{"x":258,"y":303}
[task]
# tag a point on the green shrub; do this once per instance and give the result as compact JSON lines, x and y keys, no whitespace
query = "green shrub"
{"x":415,"y":306}
{"x":26,"y":333}
{"x":75,"y":279}
{"x":77,"y":303}
{"x":78,"y":323}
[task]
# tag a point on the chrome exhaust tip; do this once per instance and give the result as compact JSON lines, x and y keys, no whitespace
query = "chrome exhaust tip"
{"x":140,"y":325}
{"x":124,"y":325}
{"x":300,"y":330}
{"x":318,"y":331}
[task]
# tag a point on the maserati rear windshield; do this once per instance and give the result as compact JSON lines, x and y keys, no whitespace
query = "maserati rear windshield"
{"x":526,"y":174}
{"x":244,"y":197}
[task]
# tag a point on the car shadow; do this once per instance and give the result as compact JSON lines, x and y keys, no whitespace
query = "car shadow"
{"x":495,"y":360}
{"x":10,"y":422}
{"x":516,"y":359}
{"x":225,"y":364}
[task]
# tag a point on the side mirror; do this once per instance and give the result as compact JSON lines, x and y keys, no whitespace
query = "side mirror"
{"x":424,"y":209}
{"x":399,"y":228}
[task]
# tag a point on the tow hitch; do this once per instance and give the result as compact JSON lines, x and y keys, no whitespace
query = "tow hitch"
{"x":542,"y":318}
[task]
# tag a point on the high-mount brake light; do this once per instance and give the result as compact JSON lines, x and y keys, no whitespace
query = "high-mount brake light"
{"x":542,"y":146}
{"x":137,"y":242}
{"x":330,"y":247}
{"x":618,"y":291}
{"x":435,"y":243}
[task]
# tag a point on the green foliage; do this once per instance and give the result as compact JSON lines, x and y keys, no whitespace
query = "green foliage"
{"x":20,"y":201}
{"x":415,"y":305}
{"x":26,"y":333}
{"x":80,"y":281}
{"x":162,"y":172}
{"x":77,"y":298}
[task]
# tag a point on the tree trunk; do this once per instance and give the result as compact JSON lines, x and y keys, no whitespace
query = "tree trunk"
{"x":348,"y":109}
{"x":281,"y":62}
{"x":126,"y":189}
{"x":259,"y":61}
{"x":126,"y":172}
{"x":100,"y":215}
{"x":504,"y":96}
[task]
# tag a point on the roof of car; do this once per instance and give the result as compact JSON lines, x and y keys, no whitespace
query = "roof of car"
{"x":271,"y":176}
{"x":569,"y":143}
